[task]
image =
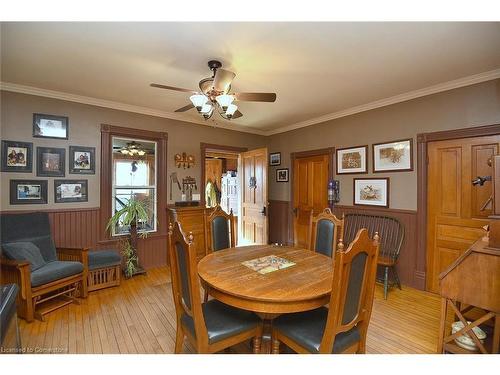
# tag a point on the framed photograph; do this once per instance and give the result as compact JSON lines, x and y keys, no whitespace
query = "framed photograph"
{"x":275,"y":158}
{"x":50,"y":126}
{"x":28,"y":191}
{"x":17,"y":156}
{"x":50,"y":162}
{"x":352,"y":160}
{"x":395,"y":156}
{"x":81,"y":160}
{"x":70,"y":191}
{"x":371,"y":192}
{"x":282,"y":175}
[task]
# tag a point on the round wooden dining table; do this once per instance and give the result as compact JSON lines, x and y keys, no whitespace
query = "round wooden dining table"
{"x":303,"y":286}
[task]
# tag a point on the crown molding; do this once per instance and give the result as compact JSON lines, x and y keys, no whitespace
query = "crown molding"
{"x":30,"y":90}
{"x":450,"y":85}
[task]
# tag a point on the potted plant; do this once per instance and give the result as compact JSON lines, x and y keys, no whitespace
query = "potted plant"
{"x":132,"y":214}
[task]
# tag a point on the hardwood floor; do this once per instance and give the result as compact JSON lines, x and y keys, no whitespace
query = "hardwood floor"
{"x":139,"y":317}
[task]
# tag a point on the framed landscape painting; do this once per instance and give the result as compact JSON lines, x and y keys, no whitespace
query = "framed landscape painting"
{"x":352,"y":160}
{"x":395,"y":156}
{"x":275,"y":158}
{"x":50,"y":126}
{"x":81,"y":160}
{"x":17,"y":156}
{"x":371,"y":192}
{"x":28,"y":191}
{"x":70,"y":191}
{"x":50,"y":161}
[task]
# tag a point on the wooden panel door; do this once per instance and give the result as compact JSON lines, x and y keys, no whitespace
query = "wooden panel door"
{"x":310,"y":183}
{"x":254,"y":197}
{"x":455,"y":218}
{"x":213,"y":171}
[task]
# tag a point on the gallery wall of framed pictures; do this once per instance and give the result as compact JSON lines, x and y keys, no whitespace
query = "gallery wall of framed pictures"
{"x":386,"y":157}
{"x":22,"y":157}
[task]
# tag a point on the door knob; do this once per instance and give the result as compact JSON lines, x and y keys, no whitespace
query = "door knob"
{"x":263,"y":212}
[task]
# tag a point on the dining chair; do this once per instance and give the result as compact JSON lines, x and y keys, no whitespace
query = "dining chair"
{"x":325,"y":230}
{"x":211,"y":326}
{"x":220,"y":230}
{"x":342,"y":327}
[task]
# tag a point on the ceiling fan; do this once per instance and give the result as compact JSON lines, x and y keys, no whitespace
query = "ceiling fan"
{"x":215,"y":94}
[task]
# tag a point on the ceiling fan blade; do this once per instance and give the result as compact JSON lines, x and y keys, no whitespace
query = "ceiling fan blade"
{"x":185,"y":108}
{"x":255,"y":96}
{"x":157,"y":85}
{"x":223,"y":79}
{"x":237,"y":114}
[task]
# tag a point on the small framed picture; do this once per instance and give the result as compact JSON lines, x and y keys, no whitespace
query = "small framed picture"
{"x":70,"y":191}
{"x":17,"y":156}
{"x":28,"y":191}
{"x":371,"y":192}
{"x":50,"y":126}
{"x":81,"y":160}
{"x":352,"y":160}
{"x":282,"y":175}
{"x":275,"y":158}
{"x":50,"y":162}
{"x":395,"y":156}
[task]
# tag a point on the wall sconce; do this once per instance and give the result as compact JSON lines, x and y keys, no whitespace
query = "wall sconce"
{"x":184,"y":160}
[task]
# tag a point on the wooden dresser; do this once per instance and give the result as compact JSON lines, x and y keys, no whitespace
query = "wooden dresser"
{"x":192,"y":219}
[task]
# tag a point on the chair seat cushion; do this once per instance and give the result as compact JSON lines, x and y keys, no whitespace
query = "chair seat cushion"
{"x":307,"y":328}
{"x":222,"y":321}
{"x":103,"y":258}
{"x":24,"y":251}
{"x":54,"y":271}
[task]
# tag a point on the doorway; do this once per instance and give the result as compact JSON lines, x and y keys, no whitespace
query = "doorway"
{"x":311,"y":171}
{"x":236,"y":179}
{"x":456,"y":210}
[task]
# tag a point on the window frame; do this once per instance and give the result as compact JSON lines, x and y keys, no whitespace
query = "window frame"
{"x":154,"y":187}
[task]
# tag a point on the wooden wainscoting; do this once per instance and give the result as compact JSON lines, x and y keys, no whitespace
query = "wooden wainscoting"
{"x":79,"y":227}
{"x":279,"y":215}
{"x":411,"y":264}
{"x":409,"y":260}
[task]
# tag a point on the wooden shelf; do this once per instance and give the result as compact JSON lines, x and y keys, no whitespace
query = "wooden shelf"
{"x":452,"y":347}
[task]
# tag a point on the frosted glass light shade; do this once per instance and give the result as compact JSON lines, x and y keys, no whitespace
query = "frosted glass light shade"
{"x":231,"y":109}
{"x":206,"y":108}
{"x":198,"y":100}
{"x":224,"y":101}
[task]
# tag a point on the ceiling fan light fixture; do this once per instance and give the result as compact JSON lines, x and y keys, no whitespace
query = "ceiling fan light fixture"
{"x":224,"y":101}
{"x":198,"y":101}
{"x":206,"y":108}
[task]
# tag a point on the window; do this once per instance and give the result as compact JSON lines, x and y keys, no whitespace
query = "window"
{"x":134,"y":177}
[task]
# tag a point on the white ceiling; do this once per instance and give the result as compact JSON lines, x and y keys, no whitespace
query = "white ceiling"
{"x":316,"y":69}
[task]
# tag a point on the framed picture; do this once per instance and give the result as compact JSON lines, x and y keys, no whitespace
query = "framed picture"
{"x":81,"y":160}
{"x":371,"y":192}
{"x":395,"y":156}
{"x":17,"y":156}
{"x":275,"y":158}
{"x":282,"y":175}
{"x":49,"y":126}
{"x":50,"y":162}
{"x":70,"y":191}
{"x":352,"y":160}
{"x":28,"y":191}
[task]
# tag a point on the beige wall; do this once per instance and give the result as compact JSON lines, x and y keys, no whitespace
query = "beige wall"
{"x":460,"y":108}
{"x":84,"y":130}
